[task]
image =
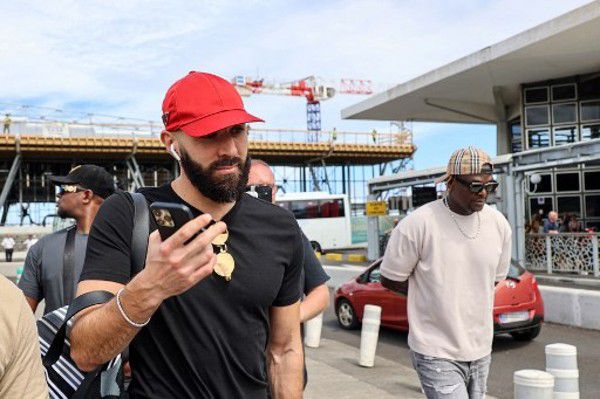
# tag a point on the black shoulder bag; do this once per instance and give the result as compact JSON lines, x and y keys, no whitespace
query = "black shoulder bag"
{"x":64,"y":379}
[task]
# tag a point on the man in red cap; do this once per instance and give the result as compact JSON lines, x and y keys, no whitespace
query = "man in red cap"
{"x":198,"y":323}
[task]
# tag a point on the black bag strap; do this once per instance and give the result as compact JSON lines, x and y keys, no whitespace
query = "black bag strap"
{"x":139,"y":235}
{"x":69,"y":265}
{"x":77,"y":305}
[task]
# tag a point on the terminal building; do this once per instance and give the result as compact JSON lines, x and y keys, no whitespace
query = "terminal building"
{"x":541,"y":89}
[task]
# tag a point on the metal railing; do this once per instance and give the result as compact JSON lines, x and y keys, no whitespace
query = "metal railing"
{"x":563,"y":253}
{"x":47,"y":128}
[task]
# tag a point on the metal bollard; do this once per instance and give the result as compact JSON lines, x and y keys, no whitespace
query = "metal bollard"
{"x":561,"y":362}
{"x":312,"y":331}
{"x":533,"y":384}
{"x":369,"y":335}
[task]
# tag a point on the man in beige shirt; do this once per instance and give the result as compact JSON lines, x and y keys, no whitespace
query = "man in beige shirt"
{"x":452,"y":251}
{"x":21,"y":372}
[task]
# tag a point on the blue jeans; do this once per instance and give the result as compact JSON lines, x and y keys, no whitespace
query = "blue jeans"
{"x":450,"y":379}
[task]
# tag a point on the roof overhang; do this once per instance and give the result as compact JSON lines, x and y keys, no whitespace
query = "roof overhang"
{"x":469,"y":90}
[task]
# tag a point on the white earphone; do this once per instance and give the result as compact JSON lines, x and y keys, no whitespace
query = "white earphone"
{"x":174,"y":153}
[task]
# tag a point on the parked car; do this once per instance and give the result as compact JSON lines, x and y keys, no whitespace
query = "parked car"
{"x":518,"y":305}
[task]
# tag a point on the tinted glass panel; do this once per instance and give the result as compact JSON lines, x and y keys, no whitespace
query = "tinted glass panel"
{"x":565,"y":135}
{"x":592,"y":180}
{"x":516,"y":137}
{"x":590,"y":111}
{"x":537,"y":115}
{"x":538,"y":138}
{"x":589,"y":89}
{"x":567,"y":181}
{"x":545,"y":186}
{"x":375,"y":276}
{"x":536,"y":95}
{"x":564,"y":113}
{"x":569,"y":204}
{"x":595,"y":225}
{"x":592,"y":206}
{"x":563,"y":92}
{"x":315,"y":209}
{"x":543,"y":204}
{"x":590,"y":132}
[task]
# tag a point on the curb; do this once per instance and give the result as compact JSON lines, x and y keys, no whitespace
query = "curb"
{"x":338,"y":257}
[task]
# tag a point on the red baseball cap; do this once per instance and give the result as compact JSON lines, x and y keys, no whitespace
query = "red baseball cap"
{"x":201,"y":104}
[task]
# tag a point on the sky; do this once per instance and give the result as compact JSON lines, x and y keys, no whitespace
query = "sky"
{"x":119,"y":57}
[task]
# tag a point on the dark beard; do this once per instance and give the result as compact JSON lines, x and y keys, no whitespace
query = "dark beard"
{"x":225,"y":190}
{"x":63,"y":213}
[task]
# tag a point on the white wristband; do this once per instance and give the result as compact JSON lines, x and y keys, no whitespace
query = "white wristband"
{"x":127,"y":319}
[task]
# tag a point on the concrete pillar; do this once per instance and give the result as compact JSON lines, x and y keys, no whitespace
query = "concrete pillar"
{"x":372,"y":234}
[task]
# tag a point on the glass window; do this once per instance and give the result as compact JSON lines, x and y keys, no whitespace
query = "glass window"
{"x":592,"y":206}
{"x":571,"y":205}
{"x":564,"y":92}
{"x":567,"y":182}
{"x":564,"y":113}
{"x":589,"y":89}
{"x":545,"y":186}
{"x":592,"y":180}
{"x":314,"y":209}
{"x":536,"y":95}
{"x":538,"y":138}
{"x":537,"y":115}
{"x":590,"y":111}
{"x":375,"y":276}
{"x":590,"y":132}
{"x":593,"y":224}
{"x":541,"y":205}
{"x":565,"y":135}
{"x":516,"y":139}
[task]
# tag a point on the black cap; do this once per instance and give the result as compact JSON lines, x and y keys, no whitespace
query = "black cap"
{"x":92,"y":177}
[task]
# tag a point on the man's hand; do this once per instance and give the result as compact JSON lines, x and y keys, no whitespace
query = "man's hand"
{"x":173,"y":267}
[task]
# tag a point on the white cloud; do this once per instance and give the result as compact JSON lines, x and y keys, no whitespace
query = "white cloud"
{"x":120,"y":56}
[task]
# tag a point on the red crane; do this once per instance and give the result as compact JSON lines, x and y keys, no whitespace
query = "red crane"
{"x":312,"y":88}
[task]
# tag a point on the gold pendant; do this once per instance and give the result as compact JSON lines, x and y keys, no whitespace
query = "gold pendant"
{"x":221,"y":239}
{"x":225,"y":265}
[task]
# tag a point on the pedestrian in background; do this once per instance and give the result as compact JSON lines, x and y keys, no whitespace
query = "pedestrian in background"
{"x":21,"y":371}
{"x":54,"y":263}
{"x":8,"y":243}
{"x":552,"y":224}
{"x":451,"y":251}
{"x":7,"y":123}
{"x":30,"y":241}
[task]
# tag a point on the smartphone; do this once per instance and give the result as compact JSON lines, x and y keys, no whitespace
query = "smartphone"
{"x":169,"y":218}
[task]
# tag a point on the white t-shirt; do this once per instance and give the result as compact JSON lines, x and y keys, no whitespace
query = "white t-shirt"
{"x":8,"y":243}
{"x":30,"y":242}
{"x":451,"y":278}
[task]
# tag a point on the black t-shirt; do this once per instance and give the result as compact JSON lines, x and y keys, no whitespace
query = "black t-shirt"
{"x":210,"y":341}
{"x":312,"y":270}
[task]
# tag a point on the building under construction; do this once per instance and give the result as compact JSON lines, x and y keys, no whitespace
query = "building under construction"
{"x":34,"y":149}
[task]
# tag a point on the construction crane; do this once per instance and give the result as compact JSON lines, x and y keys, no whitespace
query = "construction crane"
{"x":311,"y":88}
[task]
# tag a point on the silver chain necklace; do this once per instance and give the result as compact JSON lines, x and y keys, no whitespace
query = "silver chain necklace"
{"x":445,"y":200}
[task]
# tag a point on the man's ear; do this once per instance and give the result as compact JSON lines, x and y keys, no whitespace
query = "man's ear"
{"x":88,"y":196}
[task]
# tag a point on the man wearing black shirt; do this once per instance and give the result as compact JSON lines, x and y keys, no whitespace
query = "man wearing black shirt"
{"x":195,"y":328}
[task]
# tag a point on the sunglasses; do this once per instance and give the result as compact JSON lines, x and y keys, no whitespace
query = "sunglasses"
{"x":70,"y":188}
{"x":477,"y":187}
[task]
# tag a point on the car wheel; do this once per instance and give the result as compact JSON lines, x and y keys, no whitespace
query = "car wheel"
{"x":527,"y":335}
{"x":346,"y":316}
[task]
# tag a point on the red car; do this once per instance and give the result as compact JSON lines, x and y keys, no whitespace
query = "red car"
{"x":518,"y":305}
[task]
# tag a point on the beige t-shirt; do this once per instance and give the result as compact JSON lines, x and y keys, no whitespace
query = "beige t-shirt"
{"x":451,"y":278}
{"x":21,"y":372}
